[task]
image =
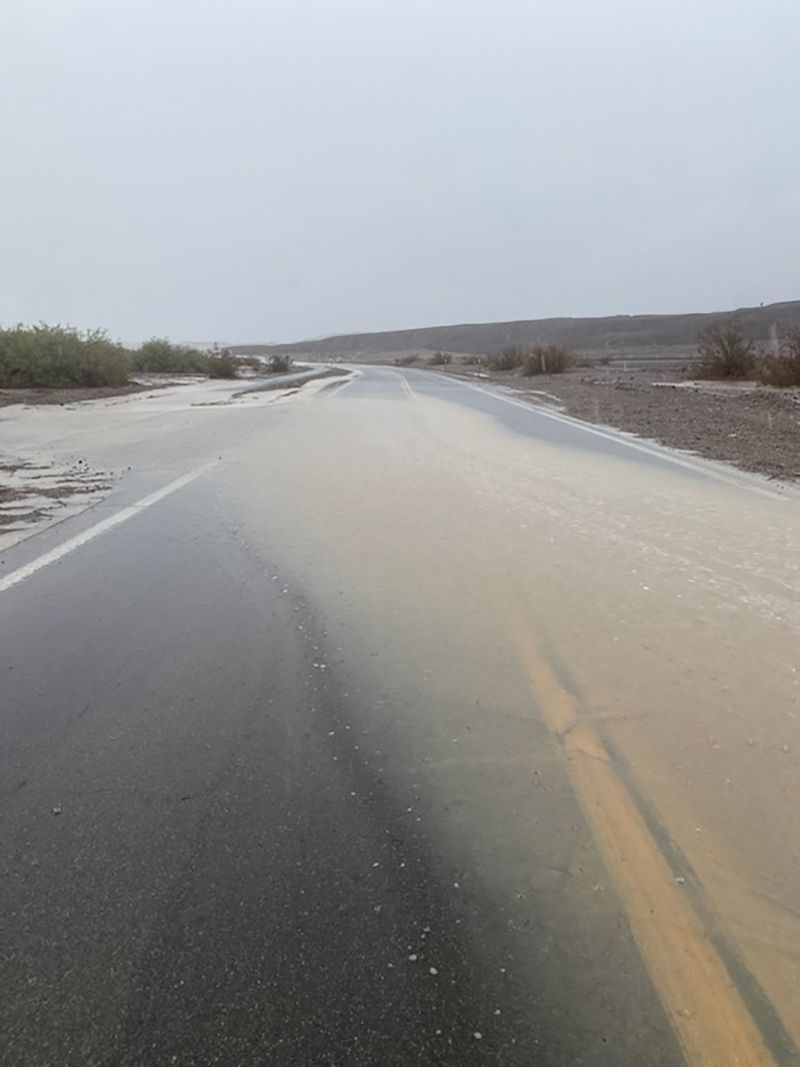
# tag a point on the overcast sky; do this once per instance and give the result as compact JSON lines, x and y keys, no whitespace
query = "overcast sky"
{"x":280,"y":169}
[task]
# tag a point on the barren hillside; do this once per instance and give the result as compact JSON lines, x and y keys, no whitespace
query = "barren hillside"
{"x":613,"y":334}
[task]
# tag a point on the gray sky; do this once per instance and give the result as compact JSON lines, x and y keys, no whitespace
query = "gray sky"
{"x":279,"y":169}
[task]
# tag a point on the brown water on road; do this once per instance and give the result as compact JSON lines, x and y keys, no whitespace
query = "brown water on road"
{"x":498,"y":595}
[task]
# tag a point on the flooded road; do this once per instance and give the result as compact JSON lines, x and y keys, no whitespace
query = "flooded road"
{"x":413,"y":725}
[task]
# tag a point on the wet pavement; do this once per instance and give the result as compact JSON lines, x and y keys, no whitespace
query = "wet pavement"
{"x":286,"y":778}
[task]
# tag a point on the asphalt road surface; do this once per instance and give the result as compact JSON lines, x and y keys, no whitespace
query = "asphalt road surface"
{"x":397,"y":722}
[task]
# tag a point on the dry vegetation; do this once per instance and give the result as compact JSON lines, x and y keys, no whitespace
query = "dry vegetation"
{"x":726,"y":352}
{"x":782,"y":369}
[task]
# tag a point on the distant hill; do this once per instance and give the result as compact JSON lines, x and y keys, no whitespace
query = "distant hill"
{"x":610,"y":334}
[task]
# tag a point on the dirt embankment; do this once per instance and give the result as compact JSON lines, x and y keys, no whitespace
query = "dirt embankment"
{"x":68,"y":396}
{"x":754,"y":427}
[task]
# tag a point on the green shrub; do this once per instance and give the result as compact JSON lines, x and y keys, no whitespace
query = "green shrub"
{"x":222,"y":365}
{"x":440,"y":359}
{"x":725,"y":351}
{"x":783,"y":369}
{"x":160,"y":356}
{"x":547,"y":359}
{"x":280,"y":364}
{"x":58,"y":357}
{"x":406,"y":361}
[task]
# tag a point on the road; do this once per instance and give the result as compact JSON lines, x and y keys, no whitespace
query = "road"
{"x":397,"y":722}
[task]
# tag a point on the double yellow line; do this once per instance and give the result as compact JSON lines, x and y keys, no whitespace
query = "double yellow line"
{"x":709,"y":1014}
{"x":406,"y":387}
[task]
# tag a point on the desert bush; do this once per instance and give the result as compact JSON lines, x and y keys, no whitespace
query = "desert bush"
{"x":783,"y":369}
{"x":160,"y":356}
{"x":222,"y":365}
{"x":280,"y":364}
{"x":406,"y":361}
{"x":725,"y":351}
{"x":511,"y":357}
{"x":546,"y":359}
{"x":440,"y":359}
{"x":57,"y":357}
{"x":473,"y":361}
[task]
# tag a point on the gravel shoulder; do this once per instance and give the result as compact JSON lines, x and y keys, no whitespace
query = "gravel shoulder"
{"x":754,"y":427}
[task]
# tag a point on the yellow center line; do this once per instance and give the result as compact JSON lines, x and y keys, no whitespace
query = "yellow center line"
{"x":406,"y":387}
{"x":711,"y":1020}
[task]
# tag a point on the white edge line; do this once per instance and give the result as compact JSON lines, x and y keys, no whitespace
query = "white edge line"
{"x":658,"y":451}
{"x":342,"y":386}
{"x":21,"y":573}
